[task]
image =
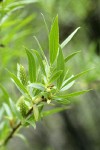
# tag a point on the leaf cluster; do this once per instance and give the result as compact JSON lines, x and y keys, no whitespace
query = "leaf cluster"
{"x":46,"y":83}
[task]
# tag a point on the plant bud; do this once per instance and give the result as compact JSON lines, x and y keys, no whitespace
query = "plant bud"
{"x":23,"y":108}
{"x":22,"y":74}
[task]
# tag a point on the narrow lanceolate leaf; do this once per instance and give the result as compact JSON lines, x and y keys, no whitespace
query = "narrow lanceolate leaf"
{"x":45,"y":24}
{"x":71,"y":56}
{"x":77,"y":76}
{"x":40,"y":61}
{"x":53,"y":111}
{"x":55,"y":76}
{"x":63,"y":101}
{"x":31,"y":65}
{"x":69,"y":38}
{"x":60,"y":66}
{"x":67,"y":86}
{"x":40,"y":48}
{"x":54,"y":41}
{"x":74,"y":94}
{"x":39,"y":86}
{"x":19,"y":85}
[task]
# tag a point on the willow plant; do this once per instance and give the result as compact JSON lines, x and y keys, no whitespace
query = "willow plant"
{"x":46,"y":83}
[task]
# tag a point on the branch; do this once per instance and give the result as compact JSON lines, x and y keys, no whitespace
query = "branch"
{"x":16,"y":128}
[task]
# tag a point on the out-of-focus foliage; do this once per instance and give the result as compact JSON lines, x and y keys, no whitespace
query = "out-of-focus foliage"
{"x":15,"y":27}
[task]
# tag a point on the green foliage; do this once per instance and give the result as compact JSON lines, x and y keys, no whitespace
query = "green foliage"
{"x":46,"y":83}
{"x":54,"y":40}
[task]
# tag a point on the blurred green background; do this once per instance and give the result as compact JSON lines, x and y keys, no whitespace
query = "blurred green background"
{"x":79,"y":127}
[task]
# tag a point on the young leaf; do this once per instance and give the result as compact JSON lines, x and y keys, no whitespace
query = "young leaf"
{"x":32,"y":66}
{"x":40,"y":48}
{"x":39,"y":86}
{"x":17,"y":82}
{"x":70,"y":56}
{"x":55,"y":76}
{"x":40,"y":61}
{"x":66,"y":87}
{"x":69,"y":38}
{"x":77,"y":76}
{"x":73,"y":94}
{"x":62,"y":101}
{"x":43,"y":55}
{"x":45,"y":24}
{"x":54,"y":41}
{"x":60,"y":66}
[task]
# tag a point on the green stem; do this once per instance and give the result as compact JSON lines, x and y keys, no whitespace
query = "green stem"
{"x":15,"y":129}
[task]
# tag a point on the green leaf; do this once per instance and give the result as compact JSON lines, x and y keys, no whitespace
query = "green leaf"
{"x":39,"y":86}
{"x":19,"y":85}
{"x":40,"y":48}
{"x":73,"y":94}
{"x":55,"y":76}
{"x":54,"y":40}
{"x":77,"y":76}
{"x":69,"y":38}
{"x":45,"y":24}
{"x":60,"y":66}
{"x":44,"y":57}
{"x":66,"y":87}
{"x":71,"y":56}
{"x":32,"y":66}
{"x":62,"y":101}
{"x":77,"y":93}
{"x":53,"y":111}
{"x":40,"y":61}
